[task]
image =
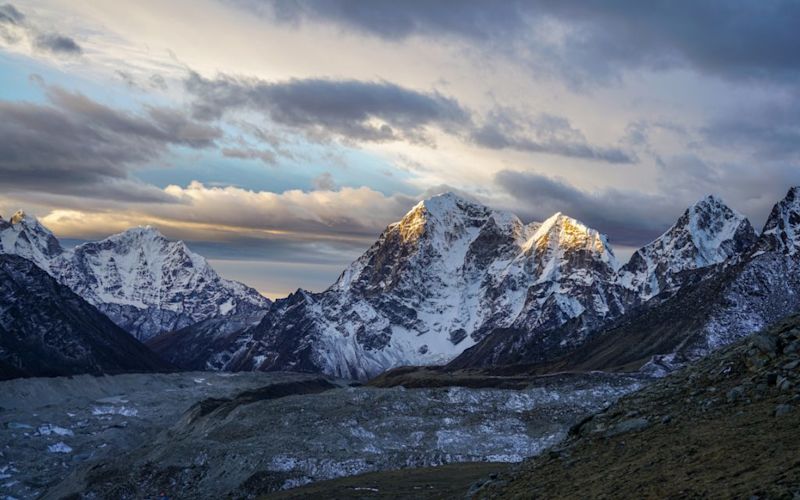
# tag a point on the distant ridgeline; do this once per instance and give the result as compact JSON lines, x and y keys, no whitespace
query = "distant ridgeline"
{"x":452,"y":282}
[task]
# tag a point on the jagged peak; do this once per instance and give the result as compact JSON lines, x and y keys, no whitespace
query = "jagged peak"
{"x":709,"y":223}
{"x":567,"y":233}
{"x":447,"y":210}
{"x":782,"y":229}
{"x":714,"y":204}
{"x":446,"y":203}
{"x":137,"y":233}
{"x":790,"y":202}
{"x":145,"y":238}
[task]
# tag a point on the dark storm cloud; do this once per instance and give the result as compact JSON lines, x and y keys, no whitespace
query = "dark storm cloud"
{"x":75,"y":145}
{"x":380,"y":111}
{"x":9,"y":14}
{"x":768,"y":131}
{"x":350,"y":109}
{"x":396,"y":20}
{"x":545,"y":133}
{"x":13,"y":25}
{"x":737,"y":39}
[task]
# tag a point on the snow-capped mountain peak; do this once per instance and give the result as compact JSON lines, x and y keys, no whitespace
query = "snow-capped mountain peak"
{"x":707,"y":233}
{"x":782,"y":230}
{"x":144,"y":282}
{"x":565,"y":233}
{"x":432,"y":285}
{"x":25,"y":236}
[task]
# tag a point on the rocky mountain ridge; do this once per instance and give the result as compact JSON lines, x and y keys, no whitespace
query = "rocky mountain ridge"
{"x":453,"y":272}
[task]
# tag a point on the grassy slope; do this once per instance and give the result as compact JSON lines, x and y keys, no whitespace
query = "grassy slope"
{"x":699,"y":440}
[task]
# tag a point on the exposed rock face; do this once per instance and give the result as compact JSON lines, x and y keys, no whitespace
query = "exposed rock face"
{"x":453,"y":272}
{"x":145,"y":283}
{"x":48,"y":330}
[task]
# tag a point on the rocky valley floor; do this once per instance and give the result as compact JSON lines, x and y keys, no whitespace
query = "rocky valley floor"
{"x":201,"y":435}
{"x":726,"y":427}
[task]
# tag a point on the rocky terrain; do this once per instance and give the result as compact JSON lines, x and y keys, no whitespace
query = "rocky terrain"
{"x":283,"y":435}
{"x":145,"y":283}
{"x":48,"y":330}
{"x":51,"y":426}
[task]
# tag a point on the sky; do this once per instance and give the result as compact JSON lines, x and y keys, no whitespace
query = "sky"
{"x":279,"y":138}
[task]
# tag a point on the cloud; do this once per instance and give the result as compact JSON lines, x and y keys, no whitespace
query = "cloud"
{"x":544,"y":133}
{"x":266,"y":156}
{"x":769,"y":131}
{"x":57,"y":44}
{"x":74,"y":145}
{"x":10,"y":15}
{"x":324,"y":182}
{"x":584,"y":41}
{"x":323,"y":109}
{"x":153,"y":82}
{"x":348,"y":212}
{"x":357,"y":111}
{"x":479,"y":20}
{"x":321,"y":219}
{"x":14,"y":27}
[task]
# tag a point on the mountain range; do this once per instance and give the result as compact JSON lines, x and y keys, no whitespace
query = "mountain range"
{"x":453,"y":282}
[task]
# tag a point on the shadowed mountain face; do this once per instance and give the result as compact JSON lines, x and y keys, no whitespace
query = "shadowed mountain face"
{"x":145,"y":283}
{"x":48,"y":330}
{"x":454,"y":275}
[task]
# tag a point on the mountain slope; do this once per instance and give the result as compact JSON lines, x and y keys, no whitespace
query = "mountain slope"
{"x":47,"y":330}
{"x":145,"y":283}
